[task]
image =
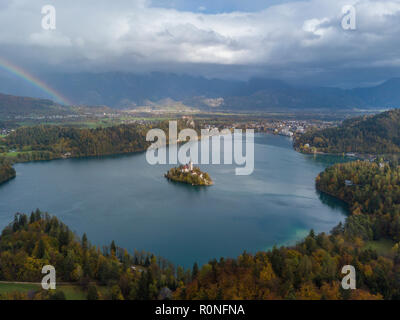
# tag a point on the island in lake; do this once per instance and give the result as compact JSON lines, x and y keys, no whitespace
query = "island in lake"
{"x":190,"y":175}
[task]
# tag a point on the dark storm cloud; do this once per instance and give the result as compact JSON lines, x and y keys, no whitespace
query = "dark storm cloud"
{"x":217,"y":6}
{"x":290,"y":40}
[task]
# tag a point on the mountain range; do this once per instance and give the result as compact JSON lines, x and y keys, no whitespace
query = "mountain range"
{"x":129,"y":90}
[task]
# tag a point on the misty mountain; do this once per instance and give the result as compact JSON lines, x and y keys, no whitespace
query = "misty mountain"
{"x":129,"y":90}
{"x":286,"y":97}
{"x":385,"y":94}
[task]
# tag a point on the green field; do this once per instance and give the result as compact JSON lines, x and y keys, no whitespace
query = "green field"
{"x":9,"y":154}
{"x":12,"y":154}
{"x":18,"y":287}
{"x":89,"y":124}
{"x":71,"y":292}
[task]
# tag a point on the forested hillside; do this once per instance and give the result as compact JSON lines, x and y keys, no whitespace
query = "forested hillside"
{"x":31,"y":242}
{"x":373,"y":192}
{"x":23,"y":106}
{"x":308,"y":271}
{"x":7,"y":172}
{"x":47,"y":142}
{"x":369,"y":240}
{"x":51,"y":142}
{"x":379,"y":134}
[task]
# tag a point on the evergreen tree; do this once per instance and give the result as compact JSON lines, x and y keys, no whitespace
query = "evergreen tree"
{"x":195,"y":270}
{"x":92,"y":294}
{"x":113,"y":248}
{"x":84,"y":242}
{"x":41,"y":250}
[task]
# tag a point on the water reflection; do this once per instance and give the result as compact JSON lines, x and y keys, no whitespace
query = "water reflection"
{"x":327,"y":159}
{"x":333,"y":202}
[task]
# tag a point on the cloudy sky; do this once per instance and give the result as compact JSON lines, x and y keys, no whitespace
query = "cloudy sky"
{"x":299,"y":41}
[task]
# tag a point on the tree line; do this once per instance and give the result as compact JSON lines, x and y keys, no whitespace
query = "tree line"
{"x":51,"y":142}
{"x":30,"y":242}
{"x":47,"y":142}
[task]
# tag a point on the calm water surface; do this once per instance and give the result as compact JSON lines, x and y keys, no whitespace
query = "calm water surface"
{"x":123,"y":198}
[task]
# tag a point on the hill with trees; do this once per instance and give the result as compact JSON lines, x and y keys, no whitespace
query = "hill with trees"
{"x":30,"y":242}
{"x":11,"y":106}
{"x":53,"y":142}
{"x":379,"y":134}
{"x":373,"y":192}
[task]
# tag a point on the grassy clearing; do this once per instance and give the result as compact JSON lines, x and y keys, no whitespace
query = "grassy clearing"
{"x":18,"y":287}
{"x":382,"y":247}
{"x":13,"y":154}
{"x":9,"y":154}
{"x":71,"y":292}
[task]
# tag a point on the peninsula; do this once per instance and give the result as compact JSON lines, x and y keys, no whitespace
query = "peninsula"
{"x":190,"y":175}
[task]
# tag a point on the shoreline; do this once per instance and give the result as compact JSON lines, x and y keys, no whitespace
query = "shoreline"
{"x":14,"y":160}
{"x":354,"y":155}
{"x":111,"y":155}
{"x":333,"y":196}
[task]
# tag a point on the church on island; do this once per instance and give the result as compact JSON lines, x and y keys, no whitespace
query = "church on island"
{"x":189,"y":174}
{"x":188,"y":167}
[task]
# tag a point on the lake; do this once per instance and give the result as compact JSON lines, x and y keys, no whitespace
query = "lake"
{"x":125,"y":199}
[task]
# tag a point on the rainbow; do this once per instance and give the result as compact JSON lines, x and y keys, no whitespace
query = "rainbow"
{"x":8,"y":66}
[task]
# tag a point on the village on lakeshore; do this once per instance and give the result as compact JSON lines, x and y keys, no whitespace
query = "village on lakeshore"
{"x":189,"y":174}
